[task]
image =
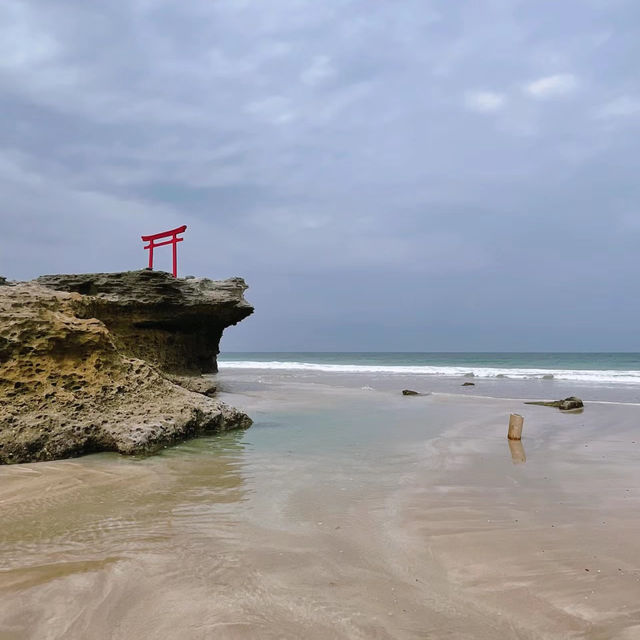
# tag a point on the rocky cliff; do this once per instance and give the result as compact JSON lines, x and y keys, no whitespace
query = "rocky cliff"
{"x":173,"y":323}
{"x":97,"y":362}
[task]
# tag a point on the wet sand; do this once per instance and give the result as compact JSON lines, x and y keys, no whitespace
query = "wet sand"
{"x":343,"y":513}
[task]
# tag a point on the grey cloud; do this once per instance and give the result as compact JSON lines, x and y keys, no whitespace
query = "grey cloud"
{"x":372,"y":169}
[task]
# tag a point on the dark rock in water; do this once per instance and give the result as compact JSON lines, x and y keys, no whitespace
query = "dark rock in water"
{"x":3,"y":281}
{"x":173,"y":323}
{"x":468,"y":384}
{"x":96,"y":363}
{"x":409,"y":392}
{"x":564,"y":405}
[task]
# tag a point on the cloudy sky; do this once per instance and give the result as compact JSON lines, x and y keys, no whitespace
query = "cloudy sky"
{"x":386,"y":175}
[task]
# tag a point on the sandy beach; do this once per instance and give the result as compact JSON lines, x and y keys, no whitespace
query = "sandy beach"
{"x":347,"y":511}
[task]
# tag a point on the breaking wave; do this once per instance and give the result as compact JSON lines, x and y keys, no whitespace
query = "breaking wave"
{"x":581,"y":375}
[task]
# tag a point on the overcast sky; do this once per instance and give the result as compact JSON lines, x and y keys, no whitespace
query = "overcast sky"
{"x":386,"y":175}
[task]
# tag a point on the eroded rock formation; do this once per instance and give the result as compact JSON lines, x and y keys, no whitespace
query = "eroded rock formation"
{"x":173,"y":323}
{"x":98,"y":362}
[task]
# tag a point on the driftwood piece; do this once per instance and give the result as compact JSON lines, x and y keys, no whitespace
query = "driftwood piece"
{"x":564,"y":405}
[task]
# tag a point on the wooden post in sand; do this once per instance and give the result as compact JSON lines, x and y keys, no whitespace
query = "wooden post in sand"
{"x":515,"y":426}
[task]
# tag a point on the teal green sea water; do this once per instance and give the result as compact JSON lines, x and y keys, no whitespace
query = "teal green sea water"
{"x":604,"y":368}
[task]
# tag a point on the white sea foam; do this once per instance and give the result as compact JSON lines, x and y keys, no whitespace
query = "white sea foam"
{"x":602,"y":376}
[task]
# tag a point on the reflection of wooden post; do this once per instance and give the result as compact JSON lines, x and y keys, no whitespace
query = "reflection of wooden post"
{"x":517,"y":451}
{"x":515,"y":426}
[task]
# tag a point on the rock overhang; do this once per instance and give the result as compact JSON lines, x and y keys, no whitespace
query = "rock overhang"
{"x":174,"y":323}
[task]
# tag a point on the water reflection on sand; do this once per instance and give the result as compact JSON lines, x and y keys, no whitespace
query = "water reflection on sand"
{"x":516,"y":449}
{"x":343,"y":513}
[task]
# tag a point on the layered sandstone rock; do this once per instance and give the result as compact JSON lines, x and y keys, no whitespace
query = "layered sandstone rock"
{"x":90,"y":363}
{"x":174,"y":323}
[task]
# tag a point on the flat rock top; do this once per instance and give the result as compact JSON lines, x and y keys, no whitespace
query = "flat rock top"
{"x":146,"y":287}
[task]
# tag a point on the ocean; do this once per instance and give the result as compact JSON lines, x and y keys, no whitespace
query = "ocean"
{"x":604,"y":368}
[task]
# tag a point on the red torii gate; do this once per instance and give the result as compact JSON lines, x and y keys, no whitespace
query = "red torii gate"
{"x":174,"y":241}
